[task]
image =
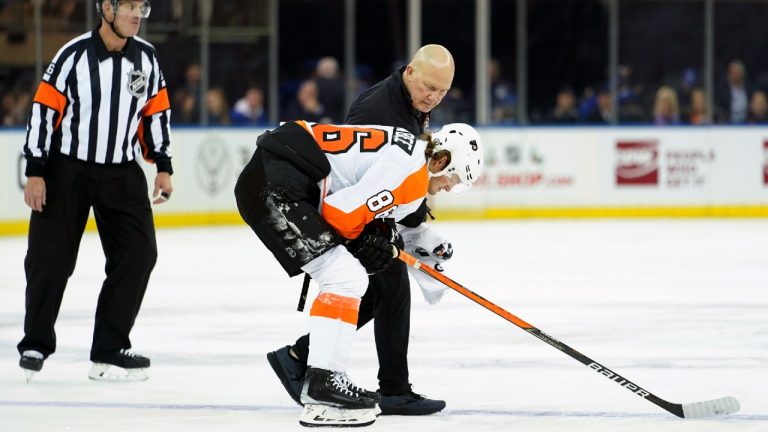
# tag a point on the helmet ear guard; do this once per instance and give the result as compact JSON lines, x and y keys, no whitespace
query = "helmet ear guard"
{"x":463,"y":143}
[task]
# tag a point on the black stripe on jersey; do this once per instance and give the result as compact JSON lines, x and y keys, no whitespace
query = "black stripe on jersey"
{"x":93,"y":133}
{"x":73,"y":89}
{"x":114,"y":107}
{"x":164,"y":121}
{"x":68,"y":52}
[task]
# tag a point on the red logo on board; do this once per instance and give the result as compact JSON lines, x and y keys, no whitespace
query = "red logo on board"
{"x":637,"y":163}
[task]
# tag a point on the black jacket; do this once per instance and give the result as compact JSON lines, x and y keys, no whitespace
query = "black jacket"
{"x":388,"y":103}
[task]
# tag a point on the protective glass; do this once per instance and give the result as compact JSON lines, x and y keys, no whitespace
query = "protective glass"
{"x":134,"y":8}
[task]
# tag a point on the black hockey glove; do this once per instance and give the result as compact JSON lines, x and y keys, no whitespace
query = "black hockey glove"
{"x":375,"y":247}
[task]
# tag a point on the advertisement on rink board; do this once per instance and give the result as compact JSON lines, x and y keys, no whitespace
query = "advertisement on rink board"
{"x":525,"y":168}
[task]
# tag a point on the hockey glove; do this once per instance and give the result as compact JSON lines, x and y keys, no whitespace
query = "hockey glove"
{"x":424,"y":241}
{"x":427,"y":245}
{"x":375,"y":248}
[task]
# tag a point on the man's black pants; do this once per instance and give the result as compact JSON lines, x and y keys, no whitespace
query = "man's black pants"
{"x":118,"y":195}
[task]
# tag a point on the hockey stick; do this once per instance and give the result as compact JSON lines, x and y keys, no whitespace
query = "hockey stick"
{"x":722,"y":406}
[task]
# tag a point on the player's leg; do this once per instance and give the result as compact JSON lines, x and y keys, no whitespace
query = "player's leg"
{"x":329,"y":397}
{"x":290,"y":362}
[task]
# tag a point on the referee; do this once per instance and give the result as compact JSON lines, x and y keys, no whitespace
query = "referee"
{"x":101,"y":103}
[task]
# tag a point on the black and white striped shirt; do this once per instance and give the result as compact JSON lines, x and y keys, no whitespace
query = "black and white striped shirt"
{"x":100,"y":106}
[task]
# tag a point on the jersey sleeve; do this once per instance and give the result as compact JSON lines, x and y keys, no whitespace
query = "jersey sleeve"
{"x":154,"y":128}
{"x":47,"y":111}
{"x":386,"y":186}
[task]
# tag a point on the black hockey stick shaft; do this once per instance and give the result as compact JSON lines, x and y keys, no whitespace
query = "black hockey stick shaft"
{"x":676,"y":409}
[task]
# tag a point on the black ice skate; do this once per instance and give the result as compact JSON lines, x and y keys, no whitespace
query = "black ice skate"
{"x":330,"y":399}
{"x":122,"y":365}
{"x":31,"y":361}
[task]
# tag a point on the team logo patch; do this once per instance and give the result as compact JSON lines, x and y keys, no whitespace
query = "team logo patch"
{"x":137,"y":83}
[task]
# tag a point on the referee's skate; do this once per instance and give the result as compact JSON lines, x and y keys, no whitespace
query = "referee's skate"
{"x":121,"y":366}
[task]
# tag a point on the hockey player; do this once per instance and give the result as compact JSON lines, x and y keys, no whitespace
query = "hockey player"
{"x":308,"y":192}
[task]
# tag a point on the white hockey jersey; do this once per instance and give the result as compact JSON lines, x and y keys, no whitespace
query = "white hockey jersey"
{"x":376,"y":172}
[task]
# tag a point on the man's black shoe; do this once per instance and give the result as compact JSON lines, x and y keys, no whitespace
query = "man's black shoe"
{"x":122,"y":358}
{"x":31,"y":360}
{"x":409,"y":403}
{"x":290,"y":371}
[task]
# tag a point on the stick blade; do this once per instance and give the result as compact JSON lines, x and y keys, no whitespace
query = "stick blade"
{"x":711,"y":408}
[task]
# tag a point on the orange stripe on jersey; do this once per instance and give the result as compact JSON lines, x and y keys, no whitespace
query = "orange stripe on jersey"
{"x":336,"y":307}
{"x":144,"y":146}
{"x":350,"y":225}
{"x":49,"y":96}
{"x":157,"y":104}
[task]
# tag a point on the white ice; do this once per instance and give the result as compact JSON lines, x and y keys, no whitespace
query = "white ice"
{"x":680,"y":307}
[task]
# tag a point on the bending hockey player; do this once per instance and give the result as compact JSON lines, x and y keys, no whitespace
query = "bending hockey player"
{"x":308,"y":192}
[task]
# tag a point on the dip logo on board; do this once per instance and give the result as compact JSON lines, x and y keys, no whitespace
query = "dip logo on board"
{"x":637,"y":163}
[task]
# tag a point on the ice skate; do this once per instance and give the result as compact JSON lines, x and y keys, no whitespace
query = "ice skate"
{"x":330,"y":399}
{"x":120,"y":366}
{"x":31,"y":361}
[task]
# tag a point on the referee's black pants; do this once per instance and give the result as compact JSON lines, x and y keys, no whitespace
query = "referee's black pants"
{"x":119,"y":198}
{"x":388,"y":300}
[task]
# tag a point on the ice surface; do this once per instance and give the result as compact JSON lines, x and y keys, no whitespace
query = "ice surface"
{"x":679,"y":307}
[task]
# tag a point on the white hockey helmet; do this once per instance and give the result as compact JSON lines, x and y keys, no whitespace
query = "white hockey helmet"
{"x":463,"y":142}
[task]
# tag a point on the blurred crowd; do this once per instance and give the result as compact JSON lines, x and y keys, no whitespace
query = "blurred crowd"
{"x":316,"y":91}
{"x":320,"y":97}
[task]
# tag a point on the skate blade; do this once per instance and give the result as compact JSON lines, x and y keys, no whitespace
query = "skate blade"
{"x":29,"y":374}
{"x":328,"y":416}
{"x":111,"y":373}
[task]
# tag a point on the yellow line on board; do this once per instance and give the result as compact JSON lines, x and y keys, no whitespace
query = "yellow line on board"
{"x":233,"y":218}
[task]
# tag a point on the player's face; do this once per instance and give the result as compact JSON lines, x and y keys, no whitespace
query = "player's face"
{"x":428,"y":86}
{"x":443,"y":182}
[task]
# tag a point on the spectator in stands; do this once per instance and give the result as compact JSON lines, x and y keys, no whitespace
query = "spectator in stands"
{"x":587,"y":103}
{"x":249,"y":109}
{"x":218,"y":109}
{"x":307,"y":106}
{"x":184,"y":108}
{"x":187,"y":99}
{"x":733,"y":96}
{"x":758,"y":108}
{"x":666,"y":110}
{"x":330,"y":88}
{"x":603,"y":109}
{"x":565,"y":110}
{"x":14,"y":108}
{"x":696,"y":112}
{"x":503,"y":97}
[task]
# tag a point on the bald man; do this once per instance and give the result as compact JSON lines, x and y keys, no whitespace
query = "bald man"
{"x":405,"y":99}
